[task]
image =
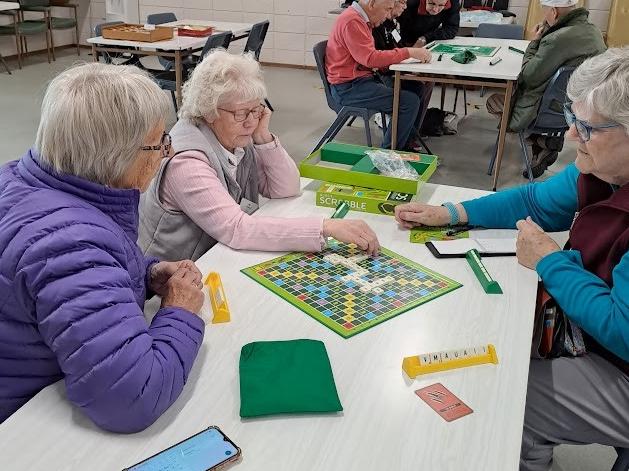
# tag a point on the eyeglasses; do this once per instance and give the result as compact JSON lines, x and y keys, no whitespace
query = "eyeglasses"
{"x":164,"y":145}
{"x":241,"y":115}
{"x":583,"y":128}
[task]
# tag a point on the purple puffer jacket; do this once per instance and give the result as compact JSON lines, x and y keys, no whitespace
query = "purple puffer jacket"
{"x":72,"y":287}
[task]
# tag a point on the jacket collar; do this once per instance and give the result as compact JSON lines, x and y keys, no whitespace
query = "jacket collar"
{"x":579,"y":14}
{"x":121,"y":205}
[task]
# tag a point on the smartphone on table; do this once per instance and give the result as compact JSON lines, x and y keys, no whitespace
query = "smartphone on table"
{"x":208,"y":450}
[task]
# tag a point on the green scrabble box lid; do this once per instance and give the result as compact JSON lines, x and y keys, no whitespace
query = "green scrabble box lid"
{"x":286,"y":377}
{"x":346,"y":163}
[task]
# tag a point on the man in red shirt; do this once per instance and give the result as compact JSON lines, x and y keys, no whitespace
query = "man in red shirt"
{"x":351,"y":58}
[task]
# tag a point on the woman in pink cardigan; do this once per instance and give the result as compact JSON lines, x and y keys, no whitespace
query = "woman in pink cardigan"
{"x":224,"y":158}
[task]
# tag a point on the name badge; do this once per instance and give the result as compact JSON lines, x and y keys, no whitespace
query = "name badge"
{"x":247,"y":206}
{"x":396,"y":35}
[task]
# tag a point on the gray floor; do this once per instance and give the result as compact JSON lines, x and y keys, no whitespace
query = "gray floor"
{"x":301,"y":117}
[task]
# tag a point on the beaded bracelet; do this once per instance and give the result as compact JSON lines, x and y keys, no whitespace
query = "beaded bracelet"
{"x":454,"y":214}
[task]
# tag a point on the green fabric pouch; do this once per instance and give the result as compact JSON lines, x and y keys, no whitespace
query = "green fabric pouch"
{"x":464,"y":57}
{"x":286,"y":377}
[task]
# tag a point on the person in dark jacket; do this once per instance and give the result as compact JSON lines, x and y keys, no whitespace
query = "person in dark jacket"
{"x":74,"y":281}
{"x":425,"y":21}
{"x":565,"y":38}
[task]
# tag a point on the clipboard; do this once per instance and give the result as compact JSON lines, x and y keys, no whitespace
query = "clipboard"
{"x":459,"y":248}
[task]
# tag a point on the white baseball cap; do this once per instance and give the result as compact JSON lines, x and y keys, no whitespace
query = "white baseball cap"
{"x":559,"y":3}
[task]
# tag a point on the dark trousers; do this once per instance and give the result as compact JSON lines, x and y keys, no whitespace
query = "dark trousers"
{"x":369,"y":92}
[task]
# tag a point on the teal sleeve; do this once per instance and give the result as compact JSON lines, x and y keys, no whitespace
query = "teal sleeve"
{"x":551,"y":204}
{"x":588,"y":301}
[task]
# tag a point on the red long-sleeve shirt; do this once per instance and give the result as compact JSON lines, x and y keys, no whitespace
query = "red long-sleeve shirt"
{"x":351,"y":52}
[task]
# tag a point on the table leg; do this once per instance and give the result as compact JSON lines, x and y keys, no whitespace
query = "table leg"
{"x":503,"y":131}
{"x":396,"y":109}
{"x":178,"y":83}
{"x":94,"y":53}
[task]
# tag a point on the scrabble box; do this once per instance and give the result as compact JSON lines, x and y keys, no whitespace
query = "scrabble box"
{"x":367,"y":200}
{"x":348,"y":164}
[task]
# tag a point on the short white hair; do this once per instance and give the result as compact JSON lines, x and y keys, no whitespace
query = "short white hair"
{"x":94,"y":118}
{"x":219,"y":79}
{"x":601,"y":85}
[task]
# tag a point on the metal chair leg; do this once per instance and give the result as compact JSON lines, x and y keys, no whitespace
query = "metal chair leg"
{"x":174,"y":97}
{"x":4,"y":63}
{"x":456,"y":98}
{"x":443,"y":95}
{"x":333,"y":130}
{"x":268,"y":105}
{"x":465,"y":99}
{"x":490,"y":170}
{"x":423,"y":143}
{"x":367,"y":129}
{"x":525,"y":155}
{"x":351,"y":121}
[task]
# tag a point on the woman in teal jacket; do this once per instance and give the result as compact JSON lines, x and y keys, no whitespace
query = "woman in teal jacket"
{"x":584,"y":399}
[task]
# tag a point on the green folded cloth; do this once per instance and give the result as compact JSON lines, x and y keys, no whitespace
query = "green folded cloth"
{"x":286,"y":377}
{"x":464,"y":57}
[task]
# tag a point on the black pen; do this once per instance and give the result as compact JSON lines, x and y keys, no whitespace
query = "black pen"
{"x":458,"y":229}
{"x":515,"y":49}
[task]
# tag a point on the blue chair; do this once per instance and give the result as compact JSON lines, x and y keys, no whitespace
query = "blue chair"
{"x":343,"y":113}
{"x":254,"y":44}
{"x":158,"y":19}
{"x":166,"y":78}
{"x":622,"y":462}
{"x":498,"y":31}
{"x":550,"y":118}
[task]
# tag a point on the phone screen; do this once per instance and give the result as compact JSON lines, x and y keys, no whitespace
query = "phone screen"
{"x":200,"y":452}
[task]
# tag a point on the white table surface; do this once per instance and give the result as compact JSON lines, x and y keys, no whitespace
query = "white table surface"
{"x":384,"y":425}
{"x":507,"y":69}
{"x":178,"y":43}
{"x":4,"y":6}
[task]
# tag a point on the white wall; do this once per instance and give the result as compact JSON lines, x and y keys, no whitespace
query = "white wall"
{"x":296,"y":25}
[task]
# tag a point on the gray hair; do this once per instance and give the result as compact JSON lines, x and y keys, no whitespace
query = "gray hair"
{"x":219,"y":79}
{"x":94,"y":118}
{"x":601,"y":85}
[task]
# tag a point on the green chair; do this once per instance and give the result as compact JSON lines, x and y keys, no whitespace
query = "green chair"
{"x":21,"y":28}
{"x":54,"y":22}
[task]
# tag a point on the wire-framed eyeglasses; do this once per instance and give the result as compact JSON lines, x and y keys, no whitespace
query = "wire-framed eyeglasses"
{"x":242,"y":115}
{"x":164,"y":145}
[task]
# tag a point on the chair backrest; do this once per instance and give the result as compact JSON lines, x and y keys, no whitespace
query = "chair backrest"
{"x":217,"y":40}
{"x":319,"y":54}
{"x":550,"y":117}
{"x":256,"y":38}
{"x":622,"y":463}
{"x":34,"y":3}
{"x":161,"y":18}
{"x":499,"y":31}
{"x":98,"y":29}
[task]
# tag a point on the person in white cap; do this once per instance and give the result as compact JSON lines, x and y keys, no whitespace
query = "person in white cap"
{"x":565,"y":38}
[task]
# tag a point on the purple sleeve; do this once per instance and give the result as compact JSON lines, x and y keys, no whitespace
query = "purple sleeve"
{"x":120,"y":371}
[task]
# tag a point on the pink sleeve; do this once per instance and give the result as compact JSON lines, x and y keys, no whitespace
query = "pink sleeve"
{"x":192,"y":186}
{"x":277,"y":173}
{"x":361,"y":46}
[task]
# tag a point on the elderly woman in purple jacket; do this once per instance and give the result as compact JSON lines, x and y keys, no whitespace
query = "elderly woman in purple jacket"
{"x":72,"y":280}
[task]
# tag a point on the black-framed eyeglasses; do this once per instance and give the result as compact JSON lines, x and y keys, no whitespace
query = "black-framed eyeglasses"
{"x":241,"y":115}
{"x":164,"y":145}
{"x":583,"y":128}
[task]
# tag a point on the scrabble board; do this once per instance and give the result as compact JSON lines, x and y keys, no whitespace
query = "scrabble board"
{"x":348,"y":291}
{"x":480,"y":51}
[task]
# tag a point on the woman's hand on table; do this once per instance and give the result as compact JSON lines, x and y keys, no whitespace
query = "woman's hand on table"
{"x":410,"y":215}
{"x":161,"y":272}
{"x":533,"y":243}
{"x":352,"y":231}
{"x":184,"y":291}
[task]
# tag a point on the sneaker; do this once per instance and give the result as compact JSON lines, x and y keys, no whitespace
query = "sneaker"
{"x":541,"y":161}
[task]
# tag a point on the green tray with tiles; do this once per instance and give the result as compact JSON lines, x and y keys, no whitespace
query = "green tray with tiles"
{"x":348,"y":164}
